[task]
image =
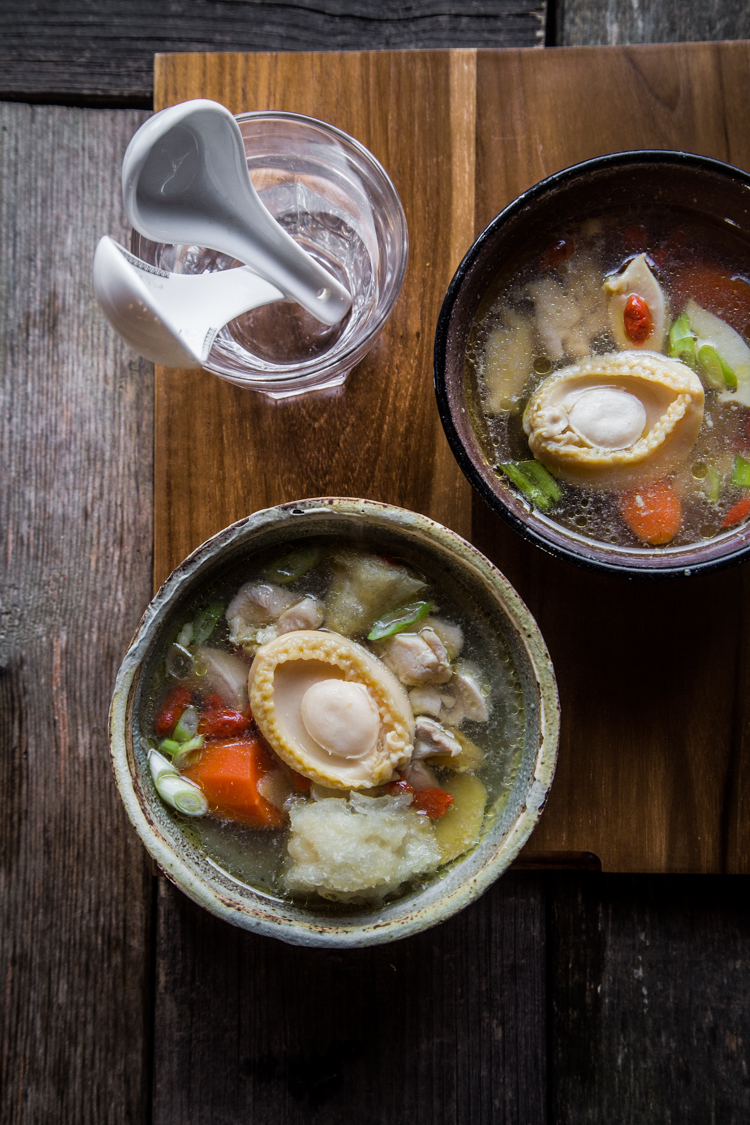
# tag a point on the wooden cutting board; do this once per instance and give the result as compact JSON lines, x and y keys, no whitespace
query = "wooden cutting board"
{"x":654,"y":770}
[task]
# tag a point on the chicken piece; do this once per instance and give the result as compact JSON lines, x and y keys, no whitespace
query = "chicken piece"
{"x":426,"y":700}
{"x":307,"y":614}
{"x":420,"y":776}
{"x":472,"y":692}
{"x":432,"y":738}
{"x":412,"y":658}
{"x":451,"y":635}
{"x":256,"y":604}
{"x":469,"y":760}
{"x":433,"y":640}
{"x":453,"y":711}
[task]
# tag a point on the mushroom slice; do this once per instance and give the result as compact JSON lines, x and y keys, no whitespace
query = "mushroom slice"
{"x":616,"y":420}
{"x":637,"y":280}
{"x":254,"y":605}
{"x":330,"y":709}
{"x":432,"y":738}
{"x":307,"y":614}
{"x":225,"y":674}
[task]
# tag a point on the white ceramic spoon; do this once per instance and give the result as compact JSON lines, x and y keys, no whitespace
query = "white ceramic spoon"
{"x":172,"y":318}
{"x":185,"y":180}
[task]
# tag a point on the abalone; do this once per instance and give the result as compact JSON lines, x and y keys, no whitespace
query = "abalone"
{"x":330,"y":709}
{"x":615,"y":420}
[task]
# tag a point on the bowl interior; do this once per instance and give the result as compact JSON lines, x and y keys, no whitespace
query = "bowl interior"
{"x":682,"y":183}
{"x":504,"y":624}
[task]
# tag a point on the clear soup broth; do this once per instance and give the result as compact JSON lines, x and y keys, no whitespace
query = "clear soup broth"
{"x":353,"y":794}
{"x":611,"y":376}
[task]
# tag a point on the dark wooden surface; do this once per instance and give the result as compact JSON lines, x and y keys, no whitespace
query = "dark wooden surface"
{"x":75,"y":890}
{"x":94,"y":51}
{"x":649,"y":1019}
{"x":589,"y":23}
{"x":447,"y":1027}
{"x":78,"y":1041}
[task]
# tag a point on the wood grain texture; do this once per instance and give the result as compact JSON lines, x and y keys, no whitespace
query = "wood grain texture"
{"x":586,"y":23}
{"x":222,"y":452}
{"x":95,"y":52}
{"x":650,"y":1013}
{"x":653,"y":765}
{"x":653,"y":772}
{"x":445,"y":1028}
{"x":75,"y":492}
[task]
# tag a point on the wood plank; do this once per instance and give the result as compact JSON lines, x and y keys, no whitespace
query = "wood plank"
{"x":76,"y":423}
{"x":217,"y":446}
{"x":649,"y":999}
{"x":94,"y":52}
{"x":446,"y":1028}
{"x":654,"y":751}
{"x":586,"y":23}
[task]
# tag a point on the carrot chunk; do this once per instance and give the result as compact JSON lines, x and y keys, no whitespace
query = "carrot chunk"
{"x":434,"y":802}
{"x":653,"y":513}
{"x":722,"y":293}
{"x":228,"y":772}
{"x":737,"y":513}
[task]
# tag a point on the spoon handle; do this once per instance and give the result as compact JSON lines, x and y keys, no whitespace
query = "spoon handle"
{"x":185,"y":180}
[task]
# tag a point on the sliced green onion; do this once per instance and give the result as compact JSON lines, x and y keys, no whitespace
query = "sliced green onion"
{"x":741,"y":474}
{"x":181,"y":794}
{"x":398,"y":620}
{"x":685,"y":352}
{"x":718,"y":371}
{"x":714,"y":484}
{"x":294,"y":565}
{"x":179,"y":662}
{"x":187,"y":725}
{"x":206,"y":622}
{"x":680,"y":330}
{"x":534,"y":481}
{"x":159,"y":765}
{"x":169,"y":746}
{"x":188,"y":752}
{"x":185,"y":635}
{"x":682,"y":341}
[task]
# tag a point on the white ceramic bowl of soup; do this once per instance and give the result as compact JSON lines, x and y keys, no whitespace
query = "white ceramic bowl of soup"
{"x":688,"y":218}
{"x":526,"y":709}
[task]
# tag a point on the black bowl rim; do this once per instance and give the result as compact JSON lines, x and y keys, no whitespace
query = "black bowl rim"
{"x":626,"y":157}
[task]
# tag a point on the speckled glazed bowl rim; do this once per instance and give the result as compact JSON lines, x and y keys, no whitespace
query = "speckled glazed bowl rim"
{"x":442,"y":897}
{"x":665,"y":562}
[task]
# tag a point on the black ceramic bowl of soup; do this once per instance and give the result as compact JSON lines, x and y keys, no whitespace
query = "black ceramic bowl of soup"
{"x":592,"y":367}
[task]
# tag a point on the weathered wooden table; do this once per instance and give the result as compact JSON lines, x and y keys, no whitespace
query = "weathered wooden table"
{"x":560,"y":996}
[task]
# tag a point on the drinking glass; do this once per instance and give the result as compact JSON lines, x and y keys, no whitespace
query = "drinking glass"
{"x":336,"y":201}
